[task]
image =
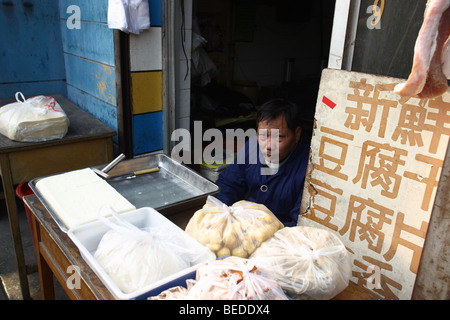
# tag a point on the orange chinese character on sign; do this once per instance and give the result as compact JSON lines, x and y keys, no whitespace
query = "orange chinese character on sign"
{"x":441,"y":118}
{"x":414,"y":119}
{"x":325,"y":194}
{"x":365,"y":218}
{"x":402,"y":228}
{"x":379,"y":163}
{"x":410,"y":123}
{"x":333,"y":153}
{"x":359,"y":116}
{"x":431,"y":181}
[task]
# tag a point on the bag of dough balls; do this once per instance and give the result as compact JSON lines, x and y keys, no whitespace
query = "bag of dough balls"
{"x":36,"y":119}
{"x":306,"y":261}
{"x":236,"y":230}
{"x":135,"y":258}
{"x":234,"y":278}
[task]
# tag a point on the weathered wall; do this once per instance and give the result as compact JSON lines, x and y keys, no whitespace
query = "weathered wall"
{"x":89,"y":59}
{"x":433,"y":279}
{"x":31,"y":60}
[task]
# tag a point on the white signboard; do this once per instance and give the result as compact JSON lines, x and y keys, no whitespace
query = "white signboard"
{"x":376,"y":159}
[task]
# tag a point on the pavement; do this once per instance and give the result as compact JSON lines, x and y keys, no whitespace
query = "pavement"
{"x":9,"y":278}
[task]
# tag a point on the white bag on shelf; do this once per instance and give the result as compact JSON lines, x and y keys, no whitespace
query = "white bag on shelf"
{"x":36,"y":119}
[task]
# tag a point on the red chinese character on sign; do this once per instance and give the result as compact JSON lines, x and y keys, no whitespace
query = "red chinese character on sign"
{"x":379,"y":163}
{"x":402,"y":228}
{"x":365,"y":218}
{"x":358,"y":116}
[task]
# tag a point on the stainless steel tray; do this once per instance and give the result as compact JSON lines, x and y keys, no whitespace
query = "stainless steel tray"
{"x":174,"y":185}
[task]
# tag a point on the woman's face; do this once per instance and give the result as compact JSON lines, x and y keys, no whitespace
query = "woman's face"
{"x":276,"y":140}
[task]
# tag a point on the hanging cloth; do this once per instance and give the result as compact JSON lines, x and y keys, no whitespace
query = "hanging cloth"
{"x":130,"y":16}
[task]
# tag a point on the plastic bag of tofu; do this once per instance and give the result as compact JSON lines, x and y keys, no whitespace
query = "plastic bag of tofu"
{"x":308,"y":263}
{"x":235,"y":230}
{"x":135,"y":258}
{"x":36,"y":119}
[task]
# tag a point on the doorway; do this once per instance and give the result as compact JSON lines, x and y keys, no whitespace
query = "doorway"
{"x":247,"y":52}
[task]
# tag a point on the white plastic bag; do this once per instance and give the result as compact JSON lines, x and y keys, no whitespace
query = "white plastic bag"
{"x":236,"y":230}
{"x":306,"y":261}
{"x":36,"y":119}
{"x":136,"y":258}
{"x":131,"y":16}
{"x":234,"y":278}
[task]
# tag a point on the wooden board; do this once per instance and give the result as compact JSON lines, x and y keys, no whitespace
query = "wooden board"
{"x":376,"y":161}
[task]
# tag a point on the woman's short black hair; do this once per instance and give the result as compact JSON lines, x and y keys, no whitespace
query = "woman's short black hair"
{"x":276,"y":107}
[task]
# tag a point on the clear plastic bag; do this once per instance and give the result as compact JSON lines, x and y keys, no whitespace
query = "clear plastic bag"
{"x":135,"y":258}
{"x":307,"y":262}
{"x":36,"y":119}
{"x":174,"y":293}
{"x":236,"y":230}
{"x":234,"y":278}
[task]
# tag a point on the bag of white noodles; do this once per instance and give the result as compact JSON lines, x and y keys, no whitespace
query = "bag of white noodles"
{"x":235,"y":230}
{"x":308,"y":263}
{"x":135,"y":258}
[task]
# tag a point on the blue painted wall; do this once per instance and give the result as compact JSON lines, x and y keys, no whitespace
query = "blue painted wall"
{"x":40,"y":54}
{"x":147,"y":132}
{"x":155,"y":12}
{"x":89,"y":59}
{"x":31,"y":59}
